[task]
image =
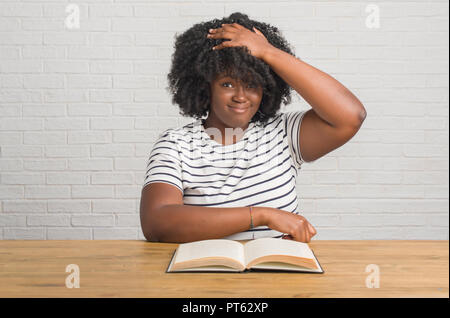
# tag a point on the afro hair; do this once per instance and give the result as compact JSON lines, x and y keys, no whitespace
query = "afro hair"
{"x":195,"y":65}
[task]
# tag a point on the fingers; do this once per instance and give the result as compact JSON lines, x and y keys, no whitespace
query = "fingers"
{"x":306,"y":230}
{"x":312,"y":229}
{"x":295,"y":226}
{"x":215,"y":34}
{"x":301,"y":232}
{"x":307,"y":234}
{"x":226,"y":28}
{"x":257,"y":31}
{"x":309,"y":229}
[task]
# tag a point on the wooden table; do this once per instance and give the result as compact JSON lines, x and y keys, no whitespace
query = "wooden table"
{"x":137,"y":269}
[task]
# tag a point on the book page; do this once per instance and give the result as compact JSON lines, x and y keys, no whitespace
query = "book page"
{"x":287,"y":267}
{"x":210,"y":249}
{"x":274,"y":246}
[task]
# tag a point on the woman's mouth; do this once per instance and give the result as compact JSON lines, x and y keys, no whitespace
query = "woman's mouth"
{"x":239,"y":110}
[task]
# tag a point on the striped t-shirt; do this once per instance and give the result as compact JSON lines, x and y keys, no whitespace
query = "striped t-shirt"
{"x":259,"y":170}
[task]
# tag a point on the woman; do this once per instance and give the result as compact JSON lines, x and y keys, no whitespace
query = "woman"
{"x":233,"y":174}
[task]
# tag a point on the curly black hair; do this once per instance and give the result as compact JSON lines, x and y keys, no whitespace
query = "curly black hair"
{"x":195,"y":65}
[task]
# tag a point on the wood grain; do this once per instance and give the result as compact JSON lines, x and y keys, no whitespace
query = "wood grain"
{"x":137,"y":269}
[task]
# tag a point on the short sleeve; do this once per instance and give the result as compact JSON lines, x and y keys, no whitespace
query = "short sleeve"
{"x":163,"y":164}
{"x":292,"y":122}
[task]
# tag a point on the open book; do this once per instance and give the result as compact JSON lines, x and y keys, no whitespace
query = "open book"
{"x":232,"y":256}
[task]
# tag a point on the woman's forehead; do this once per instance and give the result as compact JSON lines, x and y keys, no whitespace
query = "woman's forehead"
{"x":228,"y":76}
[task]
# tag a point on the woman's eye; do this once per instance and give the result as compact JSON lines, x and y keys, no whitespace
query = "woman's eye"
{"x":249,"y":85}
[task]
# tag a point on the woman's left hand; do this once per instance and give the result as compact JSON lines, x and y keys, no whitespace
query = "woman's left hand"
{"x":238,"y":35}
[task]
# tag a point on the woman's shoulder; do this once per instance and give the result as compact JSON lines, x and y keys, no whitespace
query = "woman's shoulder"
{"x":272,"y":122}
{"x":177,"y":131}
{"x":179,"y":136}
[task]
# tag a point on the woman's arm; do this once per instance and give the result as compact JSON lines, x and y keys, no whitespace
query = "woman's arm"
{"x":188,"y":223}
{"x":165,"y":218}
{"x":332,"y":102}
{"x":336,"y":113}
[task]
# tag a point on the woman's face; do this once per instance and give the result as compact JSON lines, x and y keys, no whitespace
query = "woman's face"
{"x":233,"y":103}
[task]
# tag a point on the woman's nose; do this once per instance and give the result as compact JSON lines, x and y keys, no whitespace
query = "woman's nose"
{"x":240,"y":93}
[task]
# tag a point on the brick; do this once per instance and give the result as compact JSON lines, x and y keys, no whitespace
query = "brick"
{"x":337,"y":10}
{"x":112,"y":178}
{"x":92,"y":220}
{"x":110,"y":11}
{"x":134,"y":53}
{"x":115,"y":234}
{"x":20,"y":151}
{"x":130,"y":220}
{"x":69,"y":234}
{"x":335,"y":177}
{"x":91,"y":192}
{"x":118,"y":150}
{"x":90,"y":164}
{"x":23,"y":178}
{"x":110,"y":96}
{"x":132,"y":25}
{"x":45,"y":138}
{"x":24,"y":233}
{"x":24,"y":206}
{"x":9,"y":139}
{"x":68,"y":178}
{"x":66,"y":67}
{"x":89,"y":137}
{"x":89,"y":81}
{"x":47,"y":192}
{"x":90,"y":53}
{"x":19,"y":38}
{"x":65,"y":96}
{"x":13,"y":220}
{"x":43,"y":81}
{"x":111,"y":123}
{"x":114,"y":67}
{"x":20,"y":96}
{"x":89,"y":110}
{"x":20,"y":10}
{"x":44,"y":164}
{"x":67,"y":124}
{"x":111,"y":39}
{"x":380,"y":177}
{"x":9,"y":52}
{"x":11,"y":164}
{"x":10,"y":24}
{"x":65,"y":38}
{"x":48,"y":220}
{"x":42,"y":25}
{"x":123,"y":81}
{"x":20,"y":124}
{"x":69,"y":206}
{"x":110,"y":206}
{"x":20,"y":66}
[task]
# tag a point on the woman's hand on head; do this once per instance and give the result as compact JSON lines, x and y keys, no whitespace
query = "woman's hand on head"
{"x":238,"y":35}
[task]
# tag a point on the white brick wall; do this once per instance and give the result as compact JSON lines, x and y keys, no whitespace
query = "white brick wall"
{"x":81,"y":108}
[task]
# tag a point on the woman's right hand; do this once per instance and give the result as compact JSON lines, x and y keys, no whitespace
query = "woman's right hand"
{"x":294,"y":225}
